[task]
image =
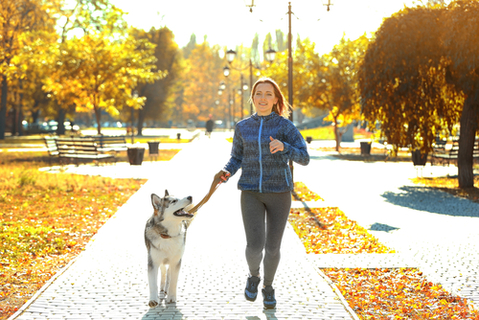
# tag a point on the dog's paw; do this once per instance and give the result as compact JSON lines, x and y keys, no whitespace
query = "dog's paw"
{"x":171,"y":299}
{"x":152,"y":303}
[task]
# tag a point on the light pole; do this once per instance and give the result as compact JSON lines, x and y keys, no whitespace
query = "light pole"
{"x":135,"y":96}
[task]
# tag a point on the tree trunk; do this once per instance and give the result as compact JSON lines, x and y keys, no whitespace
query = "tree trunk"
{"x":35,"y":114}
{"x":98,"y":119}
{"x":15,"y":119}
{"x":19,"y":113}
{"x":20,"y":122}
{"x":3,"y":107}
{"x":467,"y":133}
{"x":141,"y":119}
{"x":337,"y":134}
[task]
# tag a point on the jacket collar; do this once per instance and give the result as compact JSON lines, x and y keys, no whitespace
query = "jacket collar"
{"x":268,"y":117}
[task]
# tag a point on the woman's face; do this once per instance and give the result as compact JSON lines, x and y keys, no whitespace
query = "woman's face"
{"x":264,"y":98}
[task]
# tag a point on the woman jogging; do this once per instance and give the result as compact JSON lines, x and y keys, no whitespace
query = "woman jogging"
{"x":263,"y":144}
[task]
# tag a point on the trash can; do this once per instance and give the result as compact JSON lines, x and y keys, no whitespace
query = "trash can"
{"x":135,"y":156}
{"x":365,"y":148}
{"x":418,"y":158}
{"x":153,"y":148}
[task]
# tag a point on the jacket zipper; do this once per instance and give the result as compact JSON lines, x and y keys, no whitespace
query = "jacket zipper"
{"x":286,"y":177}
{"x":260,"y":157}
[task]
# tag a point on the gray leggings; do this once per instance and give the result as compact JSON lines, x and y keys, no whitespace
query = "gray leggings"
{"x":264,"y":218}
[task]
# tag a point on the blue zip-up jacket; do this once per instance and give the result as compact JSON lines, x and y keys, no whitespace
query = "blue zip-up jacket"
{"x":263,"y":171}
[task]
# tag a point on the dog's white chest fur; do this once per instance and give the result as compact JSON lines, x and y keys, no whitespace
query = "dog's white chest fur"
{"x":166,"y":251}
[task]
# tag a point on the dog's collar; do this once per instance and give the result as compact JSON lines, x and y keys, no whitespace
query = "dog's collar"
{"x":165,"y":236}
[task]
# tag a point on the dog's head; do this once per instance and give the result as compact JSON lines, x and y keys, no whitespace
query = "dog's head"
{"x":171,"y":207}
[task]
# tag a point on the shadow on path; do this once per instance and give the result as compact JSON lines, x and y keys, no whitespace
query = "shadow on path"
{"x":433,"y":201}
{"x":382,"y":227}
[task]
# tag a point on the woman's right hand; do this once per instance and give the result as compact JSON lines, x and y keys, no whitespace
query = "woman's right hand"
{"x":223,"y":176}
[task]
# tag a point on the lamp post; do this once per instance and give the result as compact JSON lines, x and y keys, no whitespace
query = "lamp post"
{"x":270,"y":55}
{"x":135,"y":96}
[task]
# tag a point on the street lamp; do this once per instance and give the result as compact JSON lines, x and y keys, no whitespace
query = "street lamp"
{"x":226,"y":71}
{"x":270,"y":55}
{"x":327,"y":3}
{"x":222,"y":86}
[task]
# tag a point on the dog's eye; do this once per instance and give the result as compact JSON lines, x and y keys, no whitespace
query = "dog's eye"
{"x":174,"y":201}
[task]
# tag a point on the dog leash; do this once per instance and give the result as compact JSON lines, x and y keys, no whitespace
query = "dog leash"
{"x":214,"y":185}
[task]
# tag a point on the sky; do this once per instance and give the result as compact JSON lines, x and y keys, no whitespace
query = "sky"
{"x":230,"y":23}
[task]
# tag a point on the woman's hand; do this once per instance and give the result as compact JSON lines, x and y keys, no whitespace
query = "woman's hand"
{"x":275,"y":145}
{"x":223,"y":176}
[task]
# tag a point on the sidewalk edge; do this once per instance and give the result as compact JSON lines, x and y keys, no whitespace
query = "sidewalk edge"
{"x":42,"y":289}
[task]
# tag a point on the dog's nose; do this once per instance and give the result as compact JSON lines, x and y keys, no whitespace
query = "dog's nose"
{"x":190,"y":198}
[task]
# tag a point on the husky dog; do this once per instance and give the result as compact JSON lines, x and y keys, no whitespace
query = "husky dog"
{"x":165,"y":235}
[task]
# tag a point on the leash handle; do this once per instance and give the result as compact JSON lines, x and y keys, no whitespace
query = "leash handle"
{"x":214,"y":185}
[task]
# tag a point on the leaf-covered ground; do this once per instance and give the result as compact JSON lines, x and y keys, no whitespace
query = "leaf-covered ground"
{"x":372,"y":293}
{"x":45,"y":221}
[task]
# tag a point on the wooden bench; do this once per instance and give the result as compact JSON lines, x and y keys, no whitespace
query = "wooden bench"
{"x":110,"y":143}
{"x":51,"y":148}
{"x":444,"y":155}
{"x":76,"y":149}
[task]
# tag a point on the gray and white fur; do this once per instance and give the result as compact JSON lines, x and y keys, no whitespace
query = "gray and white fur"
{"x":165,"y":237}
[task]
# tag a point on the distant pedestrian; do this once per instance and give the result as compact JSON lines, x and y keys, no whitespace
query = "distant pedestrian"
{"x":263,"y":144}
{"x":209,"y":125}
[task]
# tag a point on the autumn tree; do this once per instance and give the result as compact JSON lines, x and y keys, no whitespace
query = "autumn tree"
{"x":204,"y":72}
{"x":97,"y":70}
{"x":17,"y":17}
{"x":332,"y":81}
{"x":419,"y":78}
{"x":159,"y":94}
{"x":109,"y":70}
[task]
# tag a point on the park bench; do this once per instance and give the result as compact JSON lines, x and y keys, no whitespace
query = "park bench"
{"x":108,"y":144}
{"x":78,"y":150}
{"x":51,"y":147}
{"x":444,"y":155}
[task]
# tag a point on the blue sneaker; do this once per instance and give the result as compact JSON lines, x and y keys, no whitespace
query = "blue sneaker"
{"x":251,"y":290}
{"x":269,"y":301}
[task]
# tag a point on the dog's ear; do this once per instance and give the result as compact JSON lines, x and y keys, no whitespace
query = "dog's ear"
{"x":155,"y":201}
{"x":166,"y":193}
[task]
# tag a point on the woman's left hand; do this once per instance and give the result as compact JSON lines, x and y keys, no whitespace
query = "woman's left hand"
{"x":275,"y":145}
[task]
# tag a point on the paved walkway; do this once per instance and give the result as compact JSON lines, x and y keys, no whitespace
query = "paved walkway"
{"x":109,"y":279}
